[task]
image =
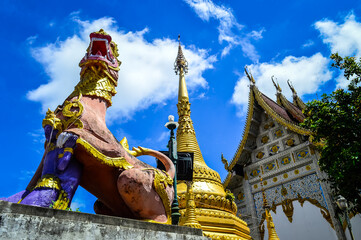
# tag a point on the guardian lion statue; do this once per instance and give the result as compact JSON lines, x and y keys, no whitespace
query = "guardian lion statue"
{"x":80,"y":150}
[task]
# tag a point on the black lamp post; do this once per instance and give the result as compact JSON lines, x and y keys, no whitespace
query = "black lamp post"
{"x":173,"y":155}
{"x":343,"y":206}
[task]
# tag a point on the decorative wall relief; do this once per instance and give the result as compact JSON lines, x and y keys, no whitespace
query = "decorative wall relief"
{"x":260,"y":155}
{"x":268,"y":125}
{"x":303,"y":189}
{"x":269,"y":166}
{"x":264,"y":139}
{"x":290,"y":142}
{"x":286,"y":160}
{"x":278,"y":133}
{"x":303,"y":154}
{"x":255,"y":172}
{"x":240,"y":197}
{"x":287,"y":207}
{"x":274,"y":149}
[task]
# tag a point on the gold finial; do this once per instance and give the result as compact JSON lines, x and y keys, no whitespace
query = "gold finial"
{"x":277,"y":86}
{"x":191,"y":220}
{"x":296,"y":99}
{"x":225,"y":162}
{"x":180,"y":62}
{"x":250,"y":77}
{"x":291,"y":87}
{"x":181,"y":68}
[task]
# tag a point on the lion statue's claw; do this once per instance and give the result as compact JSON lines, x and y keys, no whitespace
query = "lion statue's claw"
{"x":139,"y":151}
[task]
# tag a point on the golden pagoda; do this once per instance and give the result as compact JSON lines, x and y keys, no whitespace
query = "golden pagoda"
{"x":215,"y":212}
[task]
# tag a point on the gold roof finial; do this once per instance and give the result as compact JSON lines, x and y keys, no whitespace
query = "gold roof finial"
{"x":250,"y":77}
{"x":277,"y":86}
{"x":180,"y":61}
{"x":296,"y":99}
{"x":291,"y":87}
{"x":272,"y":234}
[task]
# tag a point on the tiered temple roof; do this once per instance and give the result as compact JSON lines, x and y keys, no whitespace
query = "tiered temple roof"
{"x":283,"y":111}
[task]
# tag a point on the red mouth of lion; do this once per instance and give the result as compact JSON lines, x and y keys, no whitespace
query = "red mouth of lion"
{"x":99,"y":50}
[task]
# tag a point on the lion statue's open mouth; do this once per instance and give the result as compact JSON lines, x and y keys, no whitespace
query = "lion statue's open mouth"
{"x":101,"y":48}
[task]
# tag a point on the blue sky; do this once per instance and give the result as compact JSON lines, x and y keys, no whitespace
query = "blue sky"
{"x":43,"y":43}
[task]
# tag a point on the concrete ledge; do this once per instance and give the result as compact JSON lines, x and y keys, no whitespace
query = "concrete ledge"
{"x":28,"y":222}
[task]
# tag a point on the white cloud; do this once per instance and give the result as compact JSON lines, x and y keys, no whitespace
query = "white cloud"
{"x":307,"y":44}
{"x":77,"y":205}
{"x":37,"y":135}
{"x":201,"y":96}
{"x":344,"y":38}
{"x":146,"y":75}
{"x":306,"y":73}
{"x":30,"y":40}
{"x":342,"y":82}
{"x":229,"y":29}
{"x":163,"y":136}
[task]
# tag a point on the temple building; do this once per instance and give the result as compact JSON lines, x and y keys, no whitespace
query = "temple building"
{"x":275,"y":148}
{"x":215,"y":212}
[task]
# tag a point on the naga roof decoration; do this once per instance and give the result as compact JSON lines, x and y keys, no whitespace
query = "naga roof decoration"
{"x":291,"y":108}
{"x":245,"y":132}
{"x":277,"y":86}
{"x":294,"y":111}
{"x":296,"y":99}
{"x":284,"y":112}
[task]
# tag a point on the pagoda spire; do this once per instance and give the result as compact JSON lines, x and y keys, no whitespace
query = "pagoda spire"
{"x":186,"y":136}
{"x":181,"y":68}
{"x":272,"y":234}
{"x":204,"y":202}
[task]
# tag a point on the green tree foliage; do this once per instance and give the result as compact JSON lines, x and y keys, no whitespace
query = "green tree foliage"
{"x":336,"y":123}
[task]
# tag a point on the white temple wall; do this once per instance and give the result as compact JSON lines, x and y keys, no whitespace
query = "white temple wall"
{"x":307,"y":223}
